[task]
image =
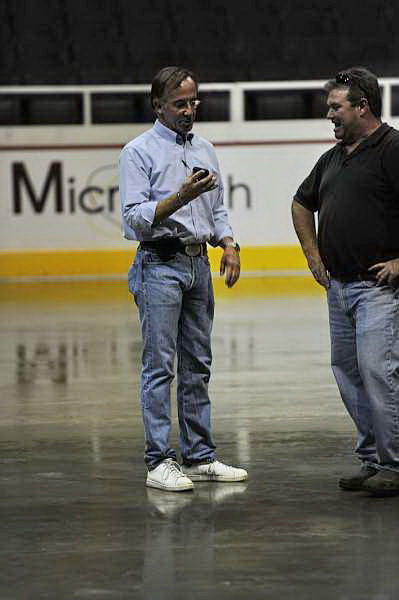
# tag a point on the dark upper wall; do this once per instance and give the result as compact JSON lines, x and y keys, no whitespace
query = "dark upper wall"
{"x":127,"y":41}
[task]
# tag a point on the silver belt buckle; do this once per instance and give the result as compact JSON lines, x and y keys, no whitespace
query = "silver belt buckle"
{"x":192,"y":249}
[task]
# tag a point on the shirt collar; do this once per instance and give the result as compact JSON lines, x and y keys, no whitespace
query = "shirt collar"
{"x":371,"y":140}
{"x":378,"y":134}
{"x":170,"y":135}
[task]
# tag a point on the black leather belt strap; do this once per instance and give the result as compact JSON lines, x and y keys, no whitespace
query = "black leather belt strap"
{"x":169,"y":246}
{"x":355,"y":277}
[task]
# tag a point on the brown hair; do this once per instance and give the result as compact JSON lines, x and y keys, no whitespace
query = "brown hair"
{"x":362,"y":83}
{"x":169,"y":78}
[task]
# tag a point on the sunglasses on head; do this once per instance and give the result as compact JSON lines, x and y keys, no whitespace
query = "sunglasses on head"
{"x":343,"y":78}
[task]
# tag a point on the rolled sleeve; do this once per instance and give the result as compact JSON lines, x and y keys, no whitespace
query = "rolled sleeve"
{"x":138,"y":211}
{"x":308,"y":193}
{"x":220,"y":216}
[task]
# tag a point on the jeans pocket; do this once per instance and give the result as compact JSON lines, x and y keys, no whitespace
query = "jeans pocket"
{"x":131,"y":278}
{"x":205,"y":260}
{"x":370,"y":283}
{"x":155,"y":258}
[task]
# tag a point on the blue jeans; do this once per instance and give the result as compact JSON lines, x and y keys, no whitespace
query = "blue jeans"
{"x":176,"y":305}
{"x":364,"y":327}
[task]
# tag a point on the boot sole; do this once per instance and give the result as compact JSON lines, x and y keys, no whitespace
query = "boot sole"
{"x":351,"y":486}
{"x":382,"y":493}
{"x":348,"y":487}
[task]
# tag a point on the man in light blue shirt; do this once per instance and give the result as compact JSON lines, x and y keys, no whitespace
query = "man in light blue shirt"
{"x":172,"y":203}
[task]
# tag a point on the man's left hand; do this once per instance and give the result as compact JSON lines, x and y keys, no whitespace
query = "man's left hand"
{"x":386,"y":272}
{"x":230,"y":265}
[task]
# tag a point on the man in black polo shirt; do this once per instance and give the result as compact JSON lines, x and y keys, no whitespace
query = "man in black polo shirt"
{"x":354,"y":188}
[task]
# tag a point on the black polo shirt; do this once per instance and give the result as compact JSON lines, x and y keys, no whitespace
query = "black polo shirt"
{"x":357,"y":199}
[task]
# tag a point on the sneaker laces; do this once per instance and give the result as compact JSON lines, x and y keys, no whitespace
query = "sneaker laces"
{"x":172,"y":468}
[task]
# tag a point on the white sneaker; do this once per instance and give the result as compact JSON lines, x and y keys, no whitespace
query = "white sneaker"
{"x":214,"y":471}
{"x":168,"y":476}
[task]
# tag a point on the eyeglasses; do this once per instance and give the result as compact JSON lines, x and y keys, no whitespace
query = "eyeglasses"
{"x":182,"y":104}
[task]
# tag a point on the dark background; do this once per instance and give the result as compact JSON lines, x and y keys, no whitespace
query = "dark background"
{"x":127,"y":41}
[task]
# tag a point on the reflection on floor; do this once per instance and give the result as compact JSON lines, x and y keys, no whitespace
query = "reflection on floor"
{"x":77,"y":520}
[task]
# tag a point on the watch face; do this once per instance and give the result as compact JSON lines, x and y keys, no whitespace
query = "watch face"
{"x":234,"y":245}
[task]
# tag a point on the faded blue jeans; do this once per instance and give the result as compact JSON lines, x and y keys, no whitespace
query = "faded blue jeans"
{"x":364,"y":328}
{"x":176,"y":306}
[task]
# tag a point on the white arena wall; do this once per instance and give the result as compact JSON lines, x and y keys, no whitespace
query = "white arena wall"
{"x":59,"y":211}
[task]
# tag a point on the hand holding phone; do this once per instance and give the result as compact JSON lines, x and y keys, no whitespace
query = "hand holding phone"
{"x":194,"y":185}
{"x":204,"y":174}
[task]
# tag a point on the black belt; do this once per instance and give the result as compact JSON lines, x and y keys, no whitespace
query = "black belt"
{"x":169,"y":246}
{"x":367,"y":276}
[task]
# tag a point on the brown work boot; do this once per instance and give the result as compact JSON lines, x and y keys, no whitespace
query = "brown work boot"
{"x":385,"y":483}
{"x":355,"y":481}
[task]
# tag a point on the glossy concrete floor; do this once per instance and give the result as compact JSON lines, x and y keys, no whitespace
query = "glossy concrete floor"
{"x":76,"y":519}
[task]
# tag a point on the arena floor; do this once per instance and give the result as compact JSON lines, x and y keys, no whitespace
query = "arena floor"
{"x":77,"y":520}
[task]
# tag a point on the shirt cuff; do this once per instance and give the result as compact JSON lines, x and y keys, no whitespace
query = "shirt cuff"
{"x":143,"y":219}
{"x":220,"y":233}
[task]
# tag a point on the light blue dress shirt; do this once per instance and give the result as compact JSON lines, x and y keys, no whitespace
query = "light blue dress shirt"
{"x":152,"y":167}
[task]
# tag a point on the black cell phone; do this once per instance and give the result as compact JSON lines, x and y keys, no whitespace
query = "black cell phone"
{"x":205,"y":174}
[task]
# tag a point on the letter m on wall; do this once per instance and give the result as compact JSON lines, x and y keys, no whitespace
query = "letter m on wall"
{"x":21,"y":181}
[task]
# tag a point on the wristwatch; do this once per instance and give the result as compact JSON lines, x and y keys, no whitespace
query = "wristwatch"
{"x":232,"y":244}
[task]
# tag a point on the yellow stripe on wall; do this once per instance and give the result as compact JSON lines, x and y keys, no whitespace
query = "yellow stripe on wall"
{"x":31,"y":263}
{"x":82,"y":292}
{"x":102,"y":261}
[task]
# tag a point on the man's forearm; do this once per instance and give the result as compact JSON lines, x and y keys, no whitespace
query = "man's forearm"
{"x":167,"y":207}
{"x":193,"y":186}
{"x":304,"y":224}
{"x":305,"y":228}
